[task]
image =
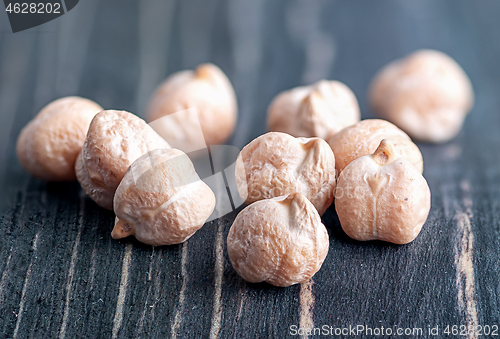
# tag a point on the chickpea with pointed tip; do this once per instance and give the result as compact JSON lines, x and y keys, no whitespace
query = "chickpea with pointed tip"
{"x":382,"y":196}
{"x":280,"y":241}
{"x":114,"y":141}
{"x":277,"y":164}
{"x":206,"y":89}
{"x":161,"y":200}
{"x":318,"y":110}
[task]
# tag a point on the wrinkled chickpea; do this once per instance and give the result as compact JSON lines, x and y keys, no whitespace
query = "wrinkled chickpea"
{"x":209,"y":91}
{"x":364,"y":137}
{"x":382,"y":196}
{"x":281,"y":241}
{"x":427,"y":94}
{"x":318,"y":110}
{"x":161,"y":200}
{"x":114,"y":140}
{"x":49,"y":144}
{"x":277,"y":164}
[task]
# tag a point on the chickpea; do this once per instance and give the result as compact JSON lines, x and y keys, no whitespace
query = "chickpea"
{"x":209,"y":91}
{"x":364,"y":137}
{"x":277,"y":164}
{"x":115,"y":139}
{"x":161,"y":200}
{"x":48,"y":145}
{"x":427,"y":94}
{"x":281,"y":241}
{"x":382,"y":196}
{"x":318,"y":110}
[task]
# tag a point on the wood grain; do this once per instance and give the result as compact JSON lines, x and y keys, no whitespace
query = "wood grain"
{"x":61,"y":274}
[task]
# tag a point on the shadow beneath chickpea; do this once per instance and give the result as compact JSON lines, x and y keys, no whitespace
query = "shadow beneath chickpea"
{"x":62,"y":190}
{"x":332,"y":223}
{"x":234,"y":282}
{"x":148,"y":249}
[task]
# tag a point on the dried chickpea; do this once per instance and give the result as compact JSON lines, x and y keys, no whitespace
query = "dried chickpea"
{"x":115,"y":139}
{"x":277,"y":164}
{"x":49,"y":144}
{"x":382,"y":196}
{"x":209,"y":91}
{"x":364,"y":137}
{"x":318,"y":110}
{"x":161,"y":200}
{"x":281,"y":241}
{"x":427,"y":94}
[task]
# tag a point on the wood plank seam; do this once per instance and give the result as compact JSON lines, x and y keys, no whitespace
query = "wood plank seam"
{"x":464,"y":261}
{"x":215,"y":326}
{"x":72,"y":267}
{"x":19,"y":314}
{"x":180,"y":305}
{"x":118,"y":319}
{"x":306,"y":305}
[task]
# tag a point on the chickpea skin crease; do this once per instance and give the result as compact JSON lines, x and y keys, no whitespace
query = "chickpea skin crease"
{"x":48,"y":145}
{"x":280,"y":241}
{"x":318,"y":110}
{"x":382,"y":196}
{"x":115,"y":139}
{"x":161,"y":200}
{"x":426,"y":94}
{"x":209,"y":91}
{"x":364,"y":137}
{"x":277,"y":164}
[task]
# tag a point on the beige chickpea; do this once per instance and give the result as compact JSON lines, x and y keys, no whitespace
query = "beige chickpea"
{"x":209,"y":91}
{"x":161,"y":200}
{"x":318,"y":110}
{"x":115,"y":139}
{"x":49,"y":144}
{"x":427,"y":94}
{"x":364,"y":137}
{"x":382,"y":196}
{"x":277,"y":164}
{"x":281,"y":241}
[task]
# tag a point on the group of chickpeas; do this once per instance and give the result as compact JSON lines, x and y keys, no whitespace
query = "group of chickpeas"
{"x":318,"y":151}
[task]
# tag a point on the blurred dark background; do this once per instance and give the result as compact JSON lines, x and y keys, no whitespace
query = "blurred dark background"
{"x":117,"y":51}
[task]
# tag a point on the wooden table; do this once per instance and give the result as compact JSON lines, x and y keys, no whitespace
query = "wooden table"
{"x":61,"y":274}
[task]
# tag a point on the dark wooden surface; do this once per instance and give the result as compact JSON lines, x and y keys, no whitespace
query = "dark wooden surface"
{"x":61,"y":274}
